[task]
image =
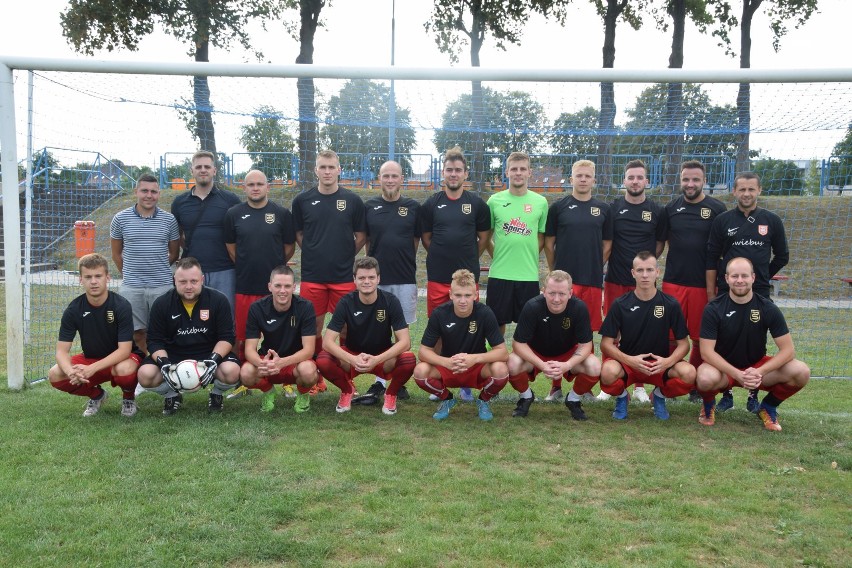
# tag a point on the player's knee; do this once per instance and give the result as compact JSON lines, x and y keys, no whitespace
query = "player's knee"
{"x":228,"y":372}
{"x":685,"y":372}
{"x":306,"y":372}
{"x":248,"y":375}
{"x":55,"y":374}
{"x":515,"y":364}
{"x":802,"y":374}
{"x":149,"y":376}
{"x":124,"y":368}
{"x":498,"y":369}
{"x":592,"y":366}
{"x":421,"y":371}
{"x":707,"y":377}
{"x":610,"y":372}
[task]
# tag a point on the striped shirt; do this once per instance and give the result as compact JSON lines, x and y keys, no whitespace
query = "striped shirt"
{"x":145,"y":254}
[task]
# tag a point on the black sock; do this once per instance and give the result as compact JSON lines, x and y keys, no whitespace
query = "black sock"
{"x":771,"y":400}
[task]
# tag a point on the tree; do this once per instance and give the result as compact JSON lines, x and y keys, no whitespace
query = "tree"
{"x":357,"y":122}
{"x":266,"y":140}
{"x":456,"y":23}
{"x":611,"y":12}
{"x":706,"y":127}
{"x":840,"y":163}
{"x":574,"y":133}
{"x":511,"y":121}
{"x":92,"y":25}
{"x":779,"y":177}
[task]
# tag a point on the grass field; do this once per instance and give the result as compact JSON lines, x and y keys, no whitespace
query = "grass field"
{"x":364,"y":489}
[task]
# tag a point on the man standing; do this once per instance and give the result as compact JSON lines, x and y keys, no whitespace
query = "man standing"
{"x":259,"y":236}
{"x":377,"y":339}
{"x":288,"y":327}
{"x":518,"y":217}
{"x":554,"y":337}
{"x":750,"y":232}
{"x":104,"y":321}
{"x":636,"y":340}
{"x":145,"y":241}
{"x":192,"y":321}
{"x":688,"y":219}
{"x":578,"y":240}
{"x":733,"y":344}
{"x":393,"y":234}
{"x":330,"y":229}
{"x":462,"y":325}
{"x":637,"y":226}
{"x":200,"y":213}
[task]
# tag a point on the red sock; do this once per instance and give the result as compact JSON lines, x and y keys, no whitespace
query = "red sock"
{"x":331,"y":369}
{"x":262,"y":384}
{"x":400,"y":374}
{"x":783,"y":391}
{"x":433,"y":386}
{"x":557,"y":383}
{"x":615,"y":388}
{"x":492,"y":387}
{"x":127,"y":384}
{"x":584,"y":384}
{"x":521,"y":383}
{"x":674,"y":387}
{"x":85,"y":389}
{"x":303,"y":390}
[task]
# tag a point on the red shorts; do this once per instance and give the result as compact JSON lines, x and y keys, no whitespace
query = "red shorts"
{"x":284,"y":377}
{"x":378,"y":370}
{"x":470,"y":378}
{"x":633,"y":377}
{"x":103,"y":375}
{"x":324,"y":297}
{"x":438,"y":293}
{"x":593,"y":298}
{"x":612,"y":292}
{"x":732,"y":383}
{"x":242,"y":303}
{"x":692,"y":300}
{"x":561,"y":358}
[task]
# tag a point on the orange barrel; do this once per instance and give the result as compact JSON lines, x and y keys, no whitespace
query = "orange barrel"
{"x":84,"y":237}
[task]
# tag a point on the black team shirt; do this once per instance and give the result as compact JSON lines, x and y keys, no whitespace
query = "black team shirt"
{"x":756,"y":237}
{"x":369,"y":327}
{"x":550,"y":334}
{"x":101,"y":328}
{"x":645,"y":325}
{"x":454,"y":224}
{"x":580,"y":227}
{"x":392,"y":227}
{"x":282,"y":331}
{"x":634,"y":228}
{"x":206,"y":242}
{"x":740,"y":329}
{"x":183,"y":336}
{"x":687,"y":229}
{"x":260,"y":236}
{"x":462,"y":335}
{"x":328,"y":224}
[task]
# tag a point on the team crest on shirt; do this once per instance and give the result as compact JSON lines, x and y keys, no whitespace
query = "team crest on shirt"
{"x":646,"y":216}
{"x":403,"y":211}
{"x":527,"y":208}
{"x":566,"y":323}
{"x":380,"y":315}
{"x":341,"y":205}
{"x":466,"y":208}
{"x":595,"y":211}
{"x":754,"y":316}
{"x":269,"y":218}
{"x":763,"y":229}
{"x":204,"y":315}
{"x":471,"y":328}
{"x":110,"y":316}
{"x":659,"y":311}
{"x":705,"y":213}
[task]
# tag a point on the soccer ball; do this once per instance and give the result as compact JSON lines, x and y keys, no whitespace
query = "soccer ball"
{"x":186,"y":376}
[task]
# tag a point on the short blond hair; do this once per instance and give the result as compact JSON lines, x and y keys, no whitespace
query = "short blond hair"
{"x":518,"y":157}
{"x":455,"y":154}
{"x":464,"y":278}
{"x":558,"y":276}
{"x":582,"y":164}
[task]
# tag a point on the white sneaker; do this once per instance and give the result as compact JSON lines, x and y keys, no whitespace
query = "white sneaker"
{"x":238,"y":392}
{"x":128,"y":408}
{"x":433,"y":397}
{"x":139,"y":390}
{"x":603,"y":397}
{"x":640,"y":395}
{"x":555,"y":394}
{"x":589,"y":397}
{"x":94,"y":404}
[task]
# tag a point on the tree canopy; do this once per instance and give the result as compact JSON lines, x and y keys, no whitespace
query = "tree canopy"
{"x":269,"y":144}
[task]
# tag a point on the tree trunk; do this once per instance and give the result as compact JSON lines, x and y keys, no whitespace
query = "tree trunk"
{"x":744,"y":95}
{"x":204,"y":130}
{"x":309,"y":13}
{"x":674,"y":101}
{"x":477,"y":163}
{"x":606,"y":118}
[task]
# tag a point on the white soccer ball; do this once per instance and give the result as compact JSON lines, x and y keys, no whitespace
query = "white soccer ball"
{"x":186,"y":376}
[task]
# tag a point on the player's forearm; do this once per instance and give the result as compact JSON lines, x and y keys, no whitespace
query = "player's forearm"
{"x":114,"y":358}
{"x":609,"y":349}
{"x":678,"y":354}
{"x":524,"y":351}
{"x":710,"y":282}
{"x":302,"y":354}
{"x":428,"y":355}
{"x":250,"y":350}
{"x":223,"y":348}
{"x":497,"y":354}
{"x":63,"y":357}
{"x":712,"y":358}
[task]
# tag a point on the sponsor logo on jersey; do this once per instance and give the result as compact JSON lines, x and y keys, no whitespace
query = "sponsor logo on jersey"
{"x":380,"y":315}
{"x":754,"y":316}
{"x":192,"y":330}
{"x":86,"y":313}
{"x":566,"y":323}
{"x":341,"y":205}
{"x":747,"y":243}
{"x":595,"y":211}
{"x":175,"y":317}
{"x":623,"y":211}
{"x":246,"y":216}
{"x":356,"y":314}
{"x":659,"y":311}
{"x":269,"y":218}
{"x":527,"y":208}
{"x":204,"y":315}
{"x":679,"y":209}
{"x":517,"y":227}
{"x":377,"y":207}
{"x":315,"y":202}
{"x":572,"y":207}
{"x":270,"y":322}
{"x":110,"y":316}
{"x":467,"y":208}
{"x":449,"y":325}
{"x":471,"y":328}
{"x":646,"y":216}
{"x":763,"y":229}
{"x":442,"y":206}
{"x":732,"y":232}
{"x":545,"y":319}
{"x":729,"y":314}
{"x":403,"y":211}
{"x":705,"y":213}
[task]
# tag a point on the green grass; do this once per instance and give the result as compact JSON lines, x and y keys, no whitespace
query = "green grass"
{"x":364,"y":489}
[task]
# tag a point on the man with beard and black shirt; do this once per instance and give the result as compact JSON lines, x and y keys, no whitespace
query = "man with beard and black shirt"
{"x":733,"y":344}
{"x":554,"y":337}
